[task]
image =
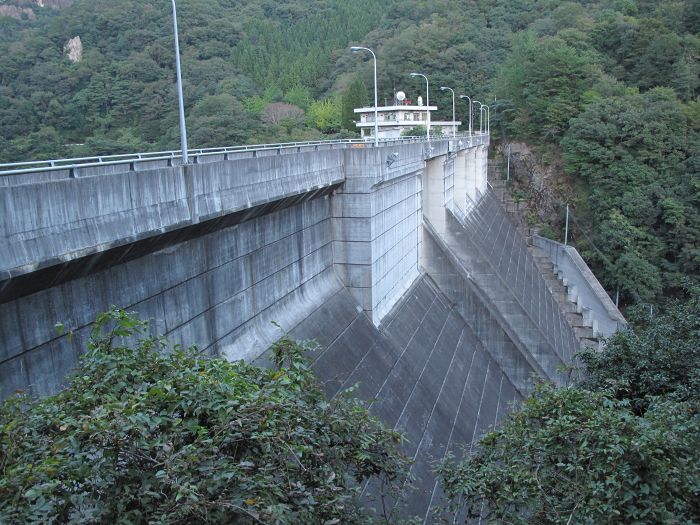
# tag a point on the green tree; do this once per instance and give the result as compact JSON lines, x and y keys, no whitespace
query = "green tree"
{"x":356,"y":96}
{"x":660,"y":358}
{"x":145,"y":435}
{"x":637,"y":155}
{"x":220,"y":120}
{"x":325,"y":115}
{"x":299,"y":96}
{"x":415,"y":131}
{"x":546,"y":79}
{"x":575,"y":456}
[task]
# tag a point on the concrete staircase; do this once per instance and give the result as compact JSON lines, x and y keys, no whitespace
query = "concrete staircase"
{"x":575,"y":315}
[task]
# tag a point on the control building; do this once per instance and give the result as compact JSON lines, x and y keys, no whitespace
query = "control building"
{"x":397,"y":120}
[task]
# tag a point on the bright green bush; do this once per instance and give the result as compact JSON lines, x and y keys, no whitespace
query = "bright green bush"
{"x":147,"y":435}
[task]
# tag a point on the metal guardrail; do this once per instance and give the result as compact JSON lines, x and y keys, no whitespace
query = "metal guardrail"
{"x":172,"y":156}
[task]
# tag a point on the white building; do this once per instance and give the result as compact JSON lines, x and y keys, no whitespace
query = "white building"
{"x":395,"y":121}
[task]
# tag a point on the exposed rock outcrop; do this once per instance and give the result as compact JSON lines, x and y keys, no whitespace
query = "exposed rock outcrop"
{"x":22,"y":9}
{"x":19,"y":13}
{"x":74,"y":49}
{"x":54,"y":4}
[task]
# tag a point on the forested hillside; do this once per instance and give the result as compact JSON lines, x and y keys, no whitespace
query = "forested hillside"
{"x":606,"y":92}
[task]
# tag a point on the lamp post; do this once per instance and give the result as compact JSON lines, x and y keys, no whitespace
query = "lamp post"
{"x":427,"y":101}
{"x":488,"y":119}
{"x":354,"y":49}
{"x":454,"y":127}
{"x":470,"y":112}
{"x":481,"y":112}
{"x":183,"y":127}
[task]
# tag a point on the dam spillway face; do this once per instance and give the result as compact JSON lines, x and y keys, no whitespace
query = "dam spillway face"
{"x":424,"y":369}
{"x":407,"y":274}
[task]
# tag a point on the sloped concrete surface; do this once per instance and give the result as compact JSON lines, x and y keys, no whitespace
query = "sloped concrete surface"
{"x":492,"y":331}
{"x":423,"y":372}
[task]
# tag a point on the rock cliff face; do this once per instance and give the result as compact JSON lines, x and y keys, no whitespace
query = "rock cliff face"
{"x":54,"y":4}
{"x":74,"y":49}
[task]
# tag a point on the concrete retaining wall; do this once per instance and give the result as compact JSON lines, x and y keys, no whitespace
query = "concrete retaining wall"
{"x":584,"y":289}
{"x":221,"y":290}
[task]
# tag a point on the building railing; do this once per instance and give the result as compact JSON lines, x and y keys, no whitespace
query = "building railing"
{"x":174,"y":157}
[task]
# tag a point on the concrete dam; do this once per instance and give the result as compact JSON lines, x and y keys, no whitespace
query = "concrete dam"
{"x":398,"y":260}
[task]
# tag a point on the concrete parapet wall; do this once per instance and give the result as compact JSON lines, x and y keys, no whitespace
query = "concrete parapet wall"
{"x":50,"y":221}
{"x":583,"y":286}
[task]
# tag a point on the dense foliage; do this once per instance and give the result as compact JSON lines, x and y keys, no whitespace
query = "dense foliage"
{"x":662,"y":358}
{"x":238,"y":57}
{"x":616,"y":87}
{"x":140,"y":436}
{"x":623,"y":447}
{"x":640,"y":159}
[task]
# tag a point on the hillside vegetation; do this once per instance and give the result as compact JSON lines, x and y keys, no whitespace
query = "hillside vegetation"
{"x":606,"y":91}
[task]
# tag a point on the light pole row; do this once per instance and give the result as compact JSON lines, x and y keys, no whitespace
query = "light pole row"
{"x":376,"y":122}
{"x":427,"y":103}
{"x":181,"y":105}
{"x":483,"y":126}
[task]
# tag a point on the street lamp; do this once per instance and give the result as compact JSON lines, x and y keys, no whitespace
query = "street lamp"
{"x":183,"y":128}
{"x":454,"y":127}
{"x":488,"y":119}
{"x":470,"y":112}
{"x":481,"y":113}
{"x":427,"y":101}
{"x":354,"y":49}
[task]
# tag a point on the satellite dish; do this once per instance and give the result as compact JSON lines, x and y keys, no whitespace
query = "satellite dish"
{"x":400,"y":96}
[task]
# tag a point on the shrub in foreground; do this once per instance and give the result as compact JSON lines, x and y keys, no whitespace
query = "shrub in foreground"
{"x":142,"y":435}
{"x":573,"y":456}
{"x":622,"y":447}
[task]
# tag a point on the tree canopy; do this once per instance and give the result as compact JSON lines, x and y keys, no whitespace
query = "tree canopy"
{"x":145,"y":433}
{"x":638,"y":156}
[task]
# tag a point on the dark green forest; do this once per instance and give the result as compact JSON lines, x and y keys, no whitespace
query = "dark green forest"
{"x":605,"y":92}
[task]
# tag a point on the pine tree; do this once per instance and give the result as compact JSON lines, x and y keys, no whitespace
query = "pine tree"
{"x":356,"y":96}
